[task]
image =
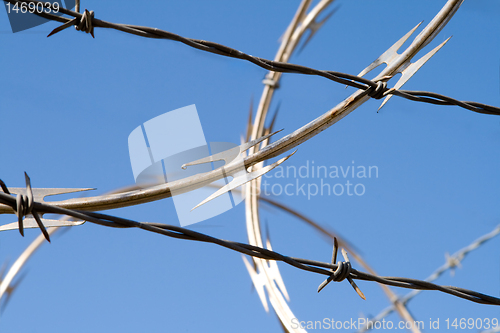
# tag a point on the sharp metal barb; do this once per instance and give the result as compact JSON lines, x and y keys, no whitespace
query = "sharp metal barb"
{"x":351,"y":281}
{"x":306,"y":132}
{"x":19,"y":214}
{"x":412,"y":68}
{"x":335,"y":249}
{"x":258,"y":282}
{"x":243,"y":179}
{"x":41,"y":226}
{"x":87,"y":24}
{"x":229,"y":155}
{"x":255,"y":251}
{"x":314,"y":27}
{"x":390,"y":55}
{"x":38,"y":195}
{"x":273,"y":268}
{"x":342,"y":272}
{"x":21,"y":203}
{"x":30,"y":222}
{"x":355,"y":286}
{"x":64,"y":26}
{"x":4,"y":187}
{"x":334,"y":262}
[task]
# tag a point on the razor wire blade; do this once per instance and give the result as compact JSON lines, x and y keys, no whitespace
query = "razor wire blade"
{"x":173,"y":146}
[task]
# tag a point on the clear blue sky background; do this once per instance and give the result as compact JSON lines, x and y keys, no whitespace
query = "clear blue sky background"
{"x":69,"y":102}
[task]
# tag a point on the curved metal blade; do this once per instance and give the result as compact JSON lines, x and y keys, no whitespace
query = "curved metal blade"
{"x":409,"y":71}
{"x":242,"y":179}
{"x":391,"y":54}
{"x":39,"y":194}
{"x":229,"y":155}
{"x":30,"y":222}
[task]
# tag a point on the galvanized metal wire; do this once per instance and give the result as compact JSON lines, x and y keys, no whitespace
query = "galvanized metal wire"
{"x":254,"y":251}
{"x":374,"y":89}
{"x":377,"y":90}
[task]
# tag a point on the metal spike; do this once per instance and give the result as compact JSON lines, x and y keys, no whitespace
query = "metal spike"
{"x":229,"y":155}
{"x":315,"y":26}
{"x":66,"y":25}
{"x":243,"y":178}
{"x":391,"y":54}
{"x":39,"y":194}
{"x":4,"y":187}
{"x":19,"y":213}
{"x":412,"y":68}
{"x":351,"y":281}
{"x":334,"y":261}
{"x":274,"y":270}
{"x":30,"y":222}
{"x":258,"y":282}
{"x":41,"y":226}
{"x":10,"y":290}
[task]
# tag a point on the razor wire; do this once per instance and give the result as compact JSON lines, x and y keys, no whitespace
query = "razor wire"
{"x":375,"y":89}
{"x":87,"y":22}
{"x":266,"y":274}
{"x":335,"y":271}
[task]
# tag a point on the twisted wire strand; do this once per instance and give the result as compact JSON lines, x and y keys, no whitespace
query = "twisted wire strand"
{"x":254,"y":251}
{"x":276,"y":66}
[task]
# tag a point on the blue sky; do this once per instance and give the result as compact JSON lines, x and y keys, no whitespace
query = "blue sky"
{"x":69,"y":102}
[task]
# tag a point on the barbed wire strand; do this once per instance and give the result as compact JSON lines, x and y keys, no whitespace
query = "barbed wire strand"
{"x":451,"y":262}
{"x":372,"y":89}
{"x":254,"y":251}
{"x":87,"y":22}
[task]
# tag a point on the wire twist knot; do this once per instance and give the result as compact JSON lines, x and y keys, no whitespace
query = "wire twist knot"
{"x":85,"y":24}
{"x":342,"y":272}
{"x":24,"y":206}
{"x":378,"y":91}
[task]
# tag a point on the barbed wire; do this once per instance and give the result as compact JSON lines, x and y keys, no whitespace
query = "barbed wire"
{"x":451,"y":262}
{"x":87,"y":22}
{"x":335,"y":271}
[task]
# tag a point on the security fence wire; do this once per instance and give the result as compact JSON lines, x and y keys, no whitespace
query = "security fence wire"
{"x":87,"y":22}
{"x":24,"y":205}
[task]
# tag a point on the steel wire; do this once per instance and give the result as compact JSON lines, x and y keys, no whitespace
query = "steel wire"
{"x":254,"y":251}
{"x":276,"y":66}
